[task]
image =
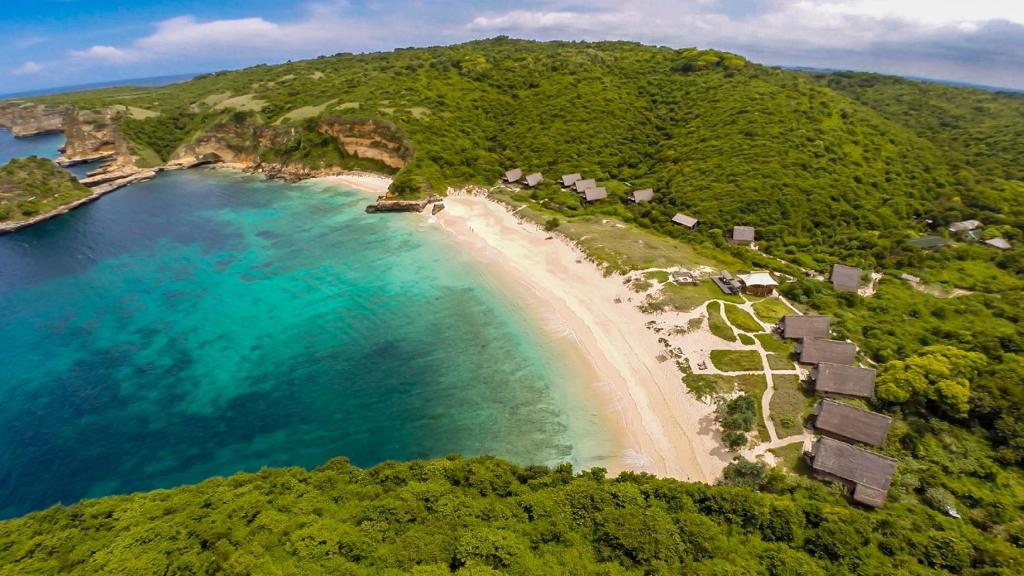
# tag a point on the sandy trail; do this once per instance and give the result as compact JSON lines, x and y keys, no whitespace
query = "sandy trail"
{"x":664,"y":429}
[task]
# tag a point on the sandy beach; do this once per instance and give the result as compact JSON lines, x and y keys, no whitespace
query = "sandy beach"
{"x":664,"y":430}
{"x":362,"y":181}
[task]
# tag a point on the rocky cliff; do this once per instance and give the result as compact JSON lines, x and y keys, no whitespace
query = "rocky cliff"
{"x":25,"y":119}
{"x":92,"y":136}
{"x":292,"y":152}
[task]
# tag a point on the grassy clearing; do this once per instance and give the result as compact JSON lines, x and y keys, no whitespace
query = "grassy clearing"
{"x":243,"y":103}
{"x":657,"y":275}
{"x":736,"y":360}
{"x":140,"y":113}
{"x":717,"y":324}
{"x":741,"y":319}
{"x":791,"y":458}
{"x":419,"y":112}
{"x":305,"y":112}
{"x":686,"y":298}
{"x":623,"y":247}
{"x":746,"y":339}
{"x":780,"y":362}
{"x":771,"y":310}
{"x":789,"y":405}
{"x":775,"y":345}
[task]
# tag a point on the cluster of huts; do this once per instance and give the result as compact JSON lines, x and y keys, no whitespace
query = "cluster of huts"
{"x":971,"y":230}
{"x":587,"y":188}
{"x":836,"y":456}
{"x":515,"y":176}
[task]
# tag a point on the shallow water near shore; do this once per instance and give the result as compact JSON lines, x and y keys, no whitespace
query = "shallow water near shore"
{"x":208,"y":322}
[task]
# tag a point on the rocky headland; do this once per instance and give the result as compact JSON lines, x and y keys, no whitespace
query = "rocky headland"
{"x":93,"y":136}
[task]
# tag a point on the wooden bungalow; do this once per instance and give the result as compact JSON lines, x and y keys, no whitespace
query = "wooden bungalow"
{"x":963,"y":226}
{"x":645,"y":195}
{"x":594,"y":194}
{"x":818,"y":350}
{"x":569,"y":179}
{"x":758,"y":283}
{"x":684,"y":220}
{"x":534,"y":179}
{"x":1000,"y":243}
{"x":866,"y":475}
{"x":742,"y":235}
{"x":844,"y":422}
{"x":846,"y":278}
{"x":582,"y":185}
{"x":513,"y":175}
{"x":844,"y":380}
{"x":797,"y":327}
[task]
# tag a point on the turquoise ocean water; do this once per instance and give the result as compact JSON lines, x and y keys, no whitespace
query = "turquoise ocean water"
{"x":208,"y":322}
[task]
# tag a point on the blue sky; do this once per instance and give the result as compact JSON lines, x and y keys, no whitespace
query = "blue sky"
{"x":64,"y":42}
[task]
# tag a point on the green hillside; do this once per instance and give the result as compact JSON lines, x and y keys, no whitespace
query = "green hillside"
{"x":485,"y":516}
{"x":827,"y":169}
{"x":33,"y":186}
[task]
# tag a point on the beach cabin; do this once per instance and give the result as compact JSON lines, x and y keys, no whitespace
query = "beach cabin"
{"x":844,"y":422}
{"x":533,"y":179}
{"x":726,"y":283}
{"x":569,"y":179}
{"x":645,"y":195}
{"x":809,"y":326}
{"x":818,"y":350}
{"x":582,"y":185}
{"x":846,"y":278}
{"x":866,"y":475}
{"x":684,"y":220}
{"x":594,"y":194}
{"x":1000,"y":243}
{"x":513,"y":175}
{"x":743,"y":235}
{"x":929,"y":242}
{"x":684,"y":278}
{"x":843,"y":380}
{"x":963,"y":226}
{"x":758,"y":283}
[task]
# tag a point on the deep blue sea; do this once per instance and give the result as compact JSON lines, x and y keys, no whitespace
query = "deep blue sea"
{"x":208,"y":322}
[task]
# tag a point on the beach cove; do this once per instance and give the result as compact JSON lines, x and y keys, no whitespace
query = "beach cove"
{"x":208,"y":321}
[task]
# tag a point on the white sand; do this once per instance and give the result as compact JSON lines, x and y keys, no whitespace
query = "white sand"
{"x":665,"y":431}
{"x":363,"y":181}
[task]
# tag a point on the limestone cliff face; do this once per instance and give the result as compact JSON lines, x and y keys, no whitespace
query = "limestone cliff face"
{"x":267,"y":148}
{"x":92,"y":135}
{"x":24,"y":119}
{"x":369,"y":139}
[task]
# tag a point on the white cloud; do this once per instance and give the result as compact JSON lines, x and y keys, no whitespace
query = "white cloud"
{"x":108,"y":54}
{"x":29,"y":68}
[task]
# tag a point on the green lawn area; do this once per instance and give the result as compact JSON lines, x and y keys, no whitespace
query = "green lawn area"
{"x":686,"y":298}
{"x":789,"y":405}
{"x":746,"y":339}
{"x":775,"y":345}
{"x":736,"y":360}
{"x":791,"y":458}
{"x":658,"y":275}
{"x":780,"y":362}
{"x":742,"y":319}
{"x":771,"y":310}
{"x":717,"y":324}
{"x":623,"y":247}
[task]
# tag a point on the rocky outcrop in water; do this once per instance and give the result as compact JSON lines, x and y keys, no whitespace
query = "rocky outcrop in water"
{"x":386,"y":204}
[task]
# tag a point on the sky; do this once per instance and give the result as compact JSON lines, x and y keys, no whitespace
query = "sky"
{"x":51,"y":43}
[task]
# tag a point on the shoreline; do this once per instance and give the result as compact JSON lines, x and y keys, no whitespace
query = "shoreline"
{"x":660,"y":427}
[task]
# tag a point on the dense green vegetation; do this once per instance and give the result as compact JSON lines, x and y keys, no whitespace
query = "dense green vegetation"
{"x":33,"y":186}
{"x":840,"y":167}
{"x":485,"y":516}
